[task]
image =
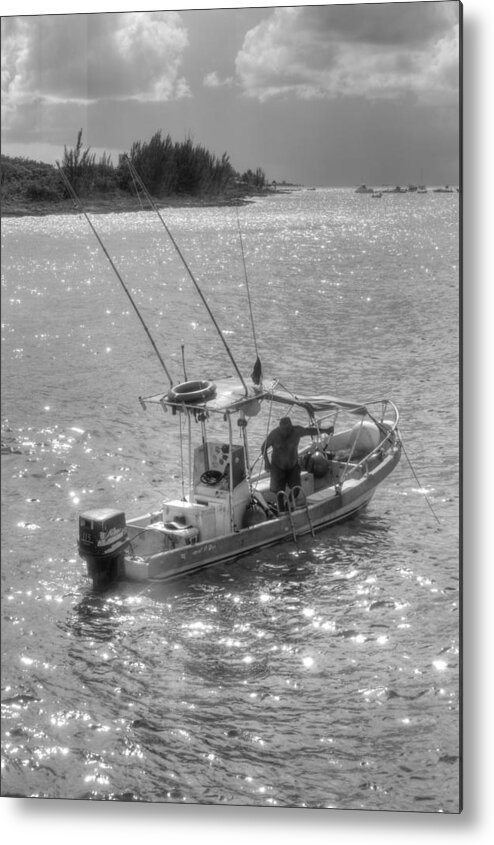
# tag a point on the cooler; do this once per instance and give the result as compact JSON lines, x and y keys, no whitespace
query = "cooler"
{"x":218,"y":500}
{"x":191,"y":515}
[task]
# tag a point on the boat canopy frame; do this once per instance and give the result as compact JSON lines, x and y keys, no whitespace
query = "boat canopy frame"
{"x":229,"y":396}
{"x":229,"y":399}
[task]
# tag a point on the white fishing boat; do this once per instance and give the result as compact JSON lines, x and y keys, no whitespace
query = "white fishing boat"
{"x":228,"y":504}
{"x":229,"y":509}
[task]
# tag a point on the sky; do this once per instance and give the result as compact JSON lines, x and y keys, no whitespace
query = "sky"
{"x":335,"y":94}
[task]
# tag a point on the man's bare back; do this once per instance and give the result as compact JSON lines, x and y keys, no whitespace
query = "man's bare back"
{"x":283,"y":441}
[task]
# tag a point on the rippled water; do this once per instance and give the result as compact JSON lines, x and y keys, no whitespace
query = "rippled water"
{"x":323,"y":674}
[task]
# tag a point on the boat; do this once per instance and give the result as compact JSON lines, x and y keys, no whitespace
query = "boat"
{"x":226,"y":508}
{"x":422,"y":189}
{"x":363,"y":189}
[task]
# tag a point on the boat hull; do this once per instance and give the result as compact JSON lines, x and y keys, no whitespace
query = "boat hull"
{"x":320,"y":510}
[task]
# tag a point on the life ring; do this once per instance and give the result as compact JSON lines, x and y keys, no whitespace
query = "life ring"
{"x":192,"y":391}
{"x":211,"y":477}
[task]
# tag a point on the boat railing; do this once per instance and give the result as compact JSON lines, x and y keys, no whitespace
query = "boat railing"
{"x":332,"y":417}
{"x":386,"y":419}
{"x":390,"y":428}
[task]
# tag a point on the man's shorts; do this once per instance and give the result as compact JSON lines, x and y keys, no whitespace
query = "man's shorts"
{"x":281,"y":478}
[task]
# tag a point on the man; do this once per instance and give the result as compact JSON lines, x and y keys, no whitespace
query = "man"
{"x":283,"y":440}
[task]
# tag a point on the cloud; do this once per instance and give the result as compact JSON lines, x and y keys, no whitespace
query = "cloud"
{"x":212,"y":80}
{"x":373,"y":51}
{"x":49,"y":60}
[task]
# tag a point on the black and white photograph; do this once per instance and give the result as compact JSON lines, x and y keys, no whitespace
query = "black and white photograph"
{"x":231,"y":401}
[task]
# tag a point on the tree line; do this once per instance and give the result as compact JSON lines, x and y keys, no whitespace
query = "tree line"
{"x":166,"y":168}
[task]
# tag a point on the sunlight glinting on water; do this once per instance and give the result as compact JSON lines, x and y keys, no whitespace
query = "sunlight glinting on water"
{"x":322,"y":673}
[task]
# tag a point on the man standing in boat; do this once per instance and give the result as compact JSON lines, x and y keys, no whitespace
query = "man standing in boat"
{"x":284,"y":440}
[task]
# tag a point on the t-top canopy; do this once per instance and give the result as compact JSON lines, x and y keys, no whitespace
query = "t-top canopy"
{"x":229,"y":395}
{"x":318,"y":404}
{"x":221,"y":395}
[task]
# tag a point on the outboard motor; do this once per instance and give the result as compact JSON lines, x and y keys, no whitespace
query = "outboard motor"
{"x":102,"y":543}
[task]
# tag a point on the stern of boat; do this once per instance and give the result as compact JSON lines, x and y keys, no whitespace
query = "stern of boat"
{"x":102,"y":543}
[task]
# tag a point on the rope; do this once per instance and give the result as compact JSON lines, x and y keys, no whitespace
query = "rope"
{"x":418,"y":482}
{"x":261,"y":455}
{"x":182,"y":473}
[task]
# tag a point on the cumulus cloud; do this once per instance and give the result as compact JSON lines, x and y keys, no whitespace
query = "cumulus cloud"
{"x":374,"y":51}
{"x":76,"y":59}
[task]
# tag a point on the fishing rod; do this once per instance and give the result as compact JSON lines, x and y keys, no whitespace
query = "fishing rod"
{"x":257,"y":372}
{"x":119,"y":277}
{"x":189,"y":271}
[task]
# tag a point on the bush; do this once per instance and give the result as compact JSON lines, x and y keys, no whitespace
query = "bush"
{"x":165,"y":167}
{"x":180,"y":168}
{"x":42,"y":192}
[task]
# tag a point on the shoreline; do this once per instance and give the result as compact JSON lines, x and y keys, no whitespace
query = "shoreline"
{"x":122,"y":205}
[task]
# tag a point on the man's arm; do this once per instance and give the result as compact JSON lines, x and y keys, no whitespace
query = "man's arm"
{"x":312,"y":429}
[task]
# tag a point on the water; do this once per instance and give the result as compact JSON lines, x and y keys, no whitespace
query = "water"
{"x":323,"y":674}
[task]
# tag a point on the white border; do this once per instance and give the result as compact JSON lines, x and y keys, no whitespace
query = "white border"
{"x":76,"y":822}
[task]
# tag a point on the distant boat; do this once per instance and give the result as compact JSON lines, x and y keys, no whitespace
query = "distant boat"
{"x":421,"y":189}
{"x":445,"y":190}
{"x":412,"y":188}
{"x":363,"y":189}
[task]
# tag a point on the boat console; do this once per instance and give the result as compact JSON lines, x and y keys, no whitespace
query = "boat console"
{"x":221,"y":493}
{"x":216,"y":465}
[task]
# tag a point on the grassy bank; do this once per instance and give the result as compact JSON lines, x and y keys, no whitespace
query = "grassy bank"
{"x":175,"y":174}
{"x":120,"y":202}
{"x":33,"y":188}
